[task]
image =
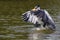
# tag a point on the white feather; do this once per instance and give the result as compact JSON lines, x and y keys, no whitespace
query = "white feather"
{"x":48,"y":15}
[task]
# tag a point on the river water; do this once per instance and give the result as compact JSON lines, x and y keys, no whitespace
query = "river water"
{"x":26,"y":32}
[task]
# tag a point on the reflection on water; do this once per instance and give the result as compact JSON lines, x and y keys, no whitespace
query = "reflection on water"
{"x":26,"y":33}
{"x":41,"y":36}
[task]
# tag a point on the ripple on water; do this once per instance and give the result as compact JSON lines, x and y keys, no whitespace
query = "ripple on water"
{"x":26,"y":32}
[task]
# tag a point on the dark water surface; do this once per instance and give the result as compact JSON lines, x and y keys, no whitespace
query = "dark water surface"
{"x":13,"y":28}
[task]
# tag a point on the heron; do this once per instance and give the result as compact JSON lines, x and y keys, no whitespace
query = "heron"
{"x":38,"y":16}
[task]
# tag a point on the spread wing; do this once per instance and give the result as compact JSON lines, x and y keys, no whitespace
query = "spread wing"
{"x":30,"y":17}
